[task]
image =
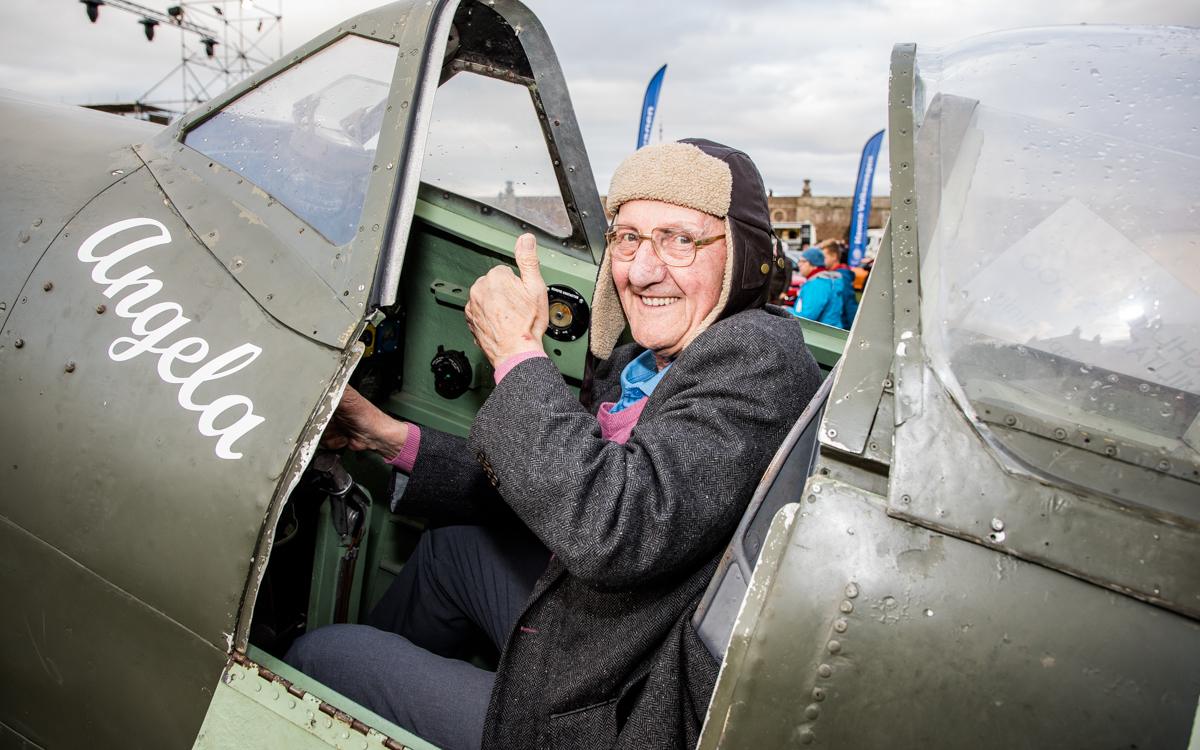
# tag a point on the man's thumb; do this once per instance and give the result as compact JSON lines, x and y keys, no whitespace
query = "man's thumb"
{"x":527,"y":261}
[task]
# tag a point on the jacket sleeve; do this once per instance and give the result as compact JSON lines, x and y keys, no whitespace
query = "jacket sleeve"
{"x":447,"y":485}
{"x":619,"y":515}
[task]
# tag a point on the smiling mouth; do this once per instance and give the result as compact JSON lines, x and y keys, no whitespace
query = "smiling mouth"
{"x":658,"y":301}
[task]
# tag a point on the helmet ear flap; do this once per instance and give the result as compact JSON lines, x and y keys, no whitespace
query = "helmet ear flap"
{"x":608,"y":318}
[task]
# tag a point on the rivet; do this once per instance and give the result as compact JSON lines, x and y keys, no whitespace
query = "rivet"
{"x":1010,"y":420}
{"x":1060,"y":433}
{"x":765,"y":268}
{"x":812,"y":711}
{"x":70,"y":367}
{"x":831,"y":432}
{"x":19,"y":343}
{"x":806,"y":736}
{"x":851,"y":590}
{"x":997,"y":524}
{"x":840,"y":625}
{"x":100,"y":309}
{"x":47,"y":286}
{"x":818,"y":693}
{"x":1110,"y":450}
{"x":1164,"y":465}
{"x":835,"y":647}
{"x":825,"y":670}
{"x":846,"y":607}
{"x":905,"y":499}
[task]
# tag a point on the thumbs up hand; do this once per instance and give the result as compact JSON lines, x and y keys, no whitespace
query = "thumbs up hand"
{"x":508,"y":314}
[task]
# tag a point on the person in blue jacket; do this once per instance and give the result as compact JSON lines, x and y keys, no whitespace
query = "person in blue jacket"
{"x":823,"y":295}
{"x":835,"y":260}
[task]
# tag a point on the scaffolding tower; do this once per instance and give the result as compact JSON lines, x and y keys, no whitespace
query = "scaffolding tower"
{"x":220,"y":43}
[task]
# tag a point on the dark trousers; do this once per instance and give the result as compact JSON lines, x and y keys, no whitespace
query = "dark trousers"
{"x":404,"y":665}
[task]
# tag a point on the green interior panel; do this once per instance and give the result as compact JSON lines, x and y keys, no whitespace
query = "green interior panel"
{"x":453,"y":250}
{"x":825,"y":342}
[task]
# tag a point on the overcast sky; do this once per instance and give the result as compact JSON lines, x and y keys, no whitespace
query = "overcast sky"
{"x":797,"y":84}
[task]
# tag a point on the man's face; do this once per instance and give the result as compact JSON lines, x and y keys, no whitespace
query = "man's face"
{"x":665,"y":304}
{"x":831,"y":257}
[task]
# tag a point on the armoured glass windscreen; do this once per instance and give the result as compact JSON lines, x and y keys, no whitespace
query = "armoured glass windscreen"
{"x":308,"y":135}
{"x":485,"y":144}
{"x":1059,"y":224}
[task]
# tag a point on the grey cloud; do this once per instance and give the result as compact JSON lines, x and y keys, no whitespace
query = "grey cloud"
{"x":798,"y":84}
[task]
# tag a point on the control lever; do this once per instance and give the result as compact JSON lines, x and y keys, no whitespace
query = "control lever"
{"x":348,"y":511}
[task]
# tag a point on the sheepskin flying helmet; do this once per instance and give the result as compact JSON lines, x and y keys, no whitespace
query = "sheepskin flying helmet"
{"x":708,"y":177}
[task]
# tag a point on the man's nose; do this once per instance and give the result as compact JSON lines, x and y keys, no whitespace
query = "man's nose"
{"x":647,"y":268}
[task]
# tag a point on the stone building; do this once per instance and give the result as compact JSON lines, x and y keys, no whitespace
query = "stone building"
{"x":827,"y":215}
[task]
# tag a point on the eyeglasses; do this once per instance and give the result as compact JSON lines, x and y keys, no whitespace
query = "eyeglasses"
{"x":674,"y":247}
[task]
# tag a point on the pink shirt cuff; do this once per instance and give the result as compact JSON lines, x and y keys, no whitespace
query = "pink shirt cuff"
{"x":506,"y":366}
{"x":407,"y":457}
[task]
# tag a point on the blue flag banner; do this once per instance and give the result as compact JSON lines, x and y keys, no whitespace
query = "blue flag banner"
{"x":649,"y":105}
{"x":862,"y":199}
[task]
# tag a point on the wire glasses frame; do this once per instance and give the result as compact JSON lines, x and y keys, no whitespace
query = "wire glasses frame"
{"x":674,"y":247}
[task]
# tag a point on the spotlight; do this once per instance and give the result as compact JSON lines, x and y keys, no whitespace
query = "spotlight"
{"x":209,"y":44}
{"x":148,"y":25}
{"x":176,"y":13}
{"x":93,"y":8}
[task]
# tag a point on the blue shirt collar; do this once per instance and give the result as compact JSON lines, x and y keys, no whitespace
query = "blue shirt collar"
{"x":639,"y":379}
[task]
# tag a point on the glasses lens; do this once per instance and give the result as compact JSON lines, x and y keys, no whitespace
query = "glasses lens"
{"x":623,"y":242}
{"x":675,"y":247}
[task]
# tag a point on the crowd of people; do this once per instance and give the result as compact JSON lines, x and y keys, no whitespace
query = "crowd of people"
{"x":822,"y":285}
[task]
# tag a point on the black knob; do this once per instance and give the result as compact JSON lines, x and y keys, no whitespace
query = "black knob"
{"x":451,"y":373}
{"x":569,"y":314}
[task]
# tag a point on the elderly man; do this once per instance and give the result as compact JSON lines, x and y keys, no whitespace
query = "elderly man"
{"x":630,"y":500}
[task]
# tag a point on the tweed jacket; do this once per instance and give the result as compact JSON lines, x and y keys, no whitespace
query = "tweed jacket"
{"x":604,"y":654}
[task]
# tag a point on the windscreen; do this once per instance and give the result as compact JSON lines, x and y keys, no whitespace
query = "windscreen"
{"x":485,"y":143}
{"x":308,"y":136}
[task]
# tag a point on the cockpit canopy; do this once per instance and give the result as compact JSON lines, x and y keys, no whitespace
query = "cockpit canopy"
{"x":1059,"y":225}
